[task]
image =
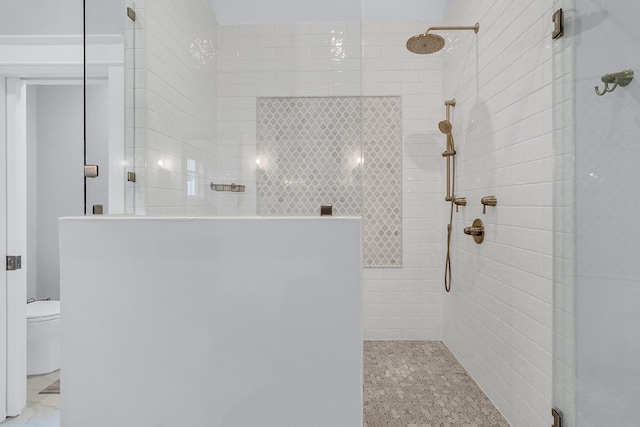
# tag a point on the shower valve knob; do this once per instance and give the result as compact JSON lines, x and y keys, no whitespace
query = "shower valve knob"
{"x":473,"y":231}
{"x":476,"y":231}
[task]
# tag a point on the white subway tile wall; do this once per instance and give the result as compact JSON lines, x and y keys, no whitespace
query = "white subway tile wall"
{"x":177,"y":108}
{"x":498,"y":316}
{"x":406,"y":303}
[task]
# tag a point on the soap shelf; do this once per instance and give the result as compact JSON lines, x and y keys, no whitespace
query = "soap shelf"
{"x":235,"y":188}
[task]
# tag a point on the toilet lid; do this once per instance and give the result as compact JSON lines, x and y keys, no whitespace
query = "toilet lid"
{"x":40,"y":309}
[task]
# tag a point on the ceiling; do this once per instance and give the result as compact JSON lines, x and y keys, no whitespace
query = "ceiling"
{"x":287,"y":11}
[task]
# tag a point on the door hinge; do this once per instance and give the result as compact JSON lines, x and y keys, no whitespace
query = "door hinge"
{"x":557,"y":418}
{"x":14,"y":262}
{"x":558,"y":24}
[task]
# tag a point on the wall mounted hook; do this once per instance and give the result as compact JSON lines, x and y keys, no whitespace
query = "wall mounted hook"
{"x":622,"y":78}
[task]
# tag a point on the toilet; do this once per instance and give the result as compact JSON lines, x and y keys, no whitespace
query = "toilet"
{"x":43,"y":337}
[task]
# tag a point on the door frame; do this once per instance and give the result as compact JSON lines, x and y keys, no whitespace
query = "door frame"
{"x":15,"y":208}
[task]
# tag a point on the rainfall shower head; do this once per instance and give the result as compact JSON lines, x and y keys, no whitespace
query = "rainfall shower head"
{"x":425,"y":43}
{"x":431,"y":43}
{"x":445,"y":127}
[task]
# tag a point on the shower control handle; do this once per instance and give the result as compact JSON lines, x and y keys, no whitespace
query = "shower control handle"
{"x":488,"y":201}
{"x":476,"y":231}
{"x":459,"y":201}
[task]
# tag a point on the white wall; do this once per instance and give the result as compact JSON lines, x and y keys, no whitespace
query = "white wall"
{"x":32,"y":192}
{"x":179,"y":102}
{"x":60,"y":188}
{"x":284,"y":11}
{"x":607,"y":176}
{"x":498,"y":317}
{"x":43,"y":17}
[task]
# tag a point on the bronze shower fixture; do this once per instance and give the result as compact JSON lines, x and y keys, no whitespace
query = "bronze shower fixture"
{"x":430,"y":43}
{"x":488,"y":201}
{"x":446,"y":127}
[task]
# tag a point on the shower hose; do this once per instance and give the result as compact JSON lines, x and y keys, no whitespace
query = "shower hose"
{"x":447,"y":263}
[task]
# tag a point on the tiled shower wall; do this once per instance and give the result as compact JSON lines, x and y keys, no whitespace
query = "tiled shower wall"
{"x":405,"y":303}
{"x":176,"y":101}
{"x":498,"y":316}
{"x":325,"y":60}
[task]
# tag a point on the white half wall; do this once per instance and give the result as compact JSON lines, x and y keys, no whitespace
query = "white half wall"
{"x":220,"y":322}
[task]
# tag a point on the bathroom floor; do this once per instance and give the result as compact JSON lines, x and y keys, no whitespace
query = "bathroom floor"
{"x":421,"y":384}
{"x":43,"y":410}
{"x":406,"y":384}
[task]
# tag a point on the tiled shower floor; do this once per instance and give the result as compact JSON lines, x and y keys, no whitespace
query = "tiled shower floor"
{"x":406,"y":384}
{"x":421,"y":384}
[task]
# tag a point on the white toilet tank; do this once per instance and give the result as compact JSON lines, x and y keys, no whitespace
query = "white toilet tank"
{"x":43,"y":337}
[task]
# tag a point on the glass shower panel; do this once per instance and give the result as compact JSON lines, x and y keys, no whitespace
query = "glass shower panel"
{"x":596,"y":273}
{"x":132,"y":51}
{"x":564,"y":235}
{"x":300,"y":75}
{"x":607,"y":245}
{"x":105,"y":135}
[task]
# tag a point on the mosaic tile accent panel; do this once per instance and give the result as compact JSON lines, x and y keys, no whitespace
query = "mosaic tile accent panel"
{"x":310,"y":153}
{"x":382,"y":181}
{"x":421,"y":384}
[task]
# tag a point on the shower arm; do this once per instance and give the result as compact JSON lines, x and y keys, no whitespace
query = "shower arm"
{"x":475,"y":28}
